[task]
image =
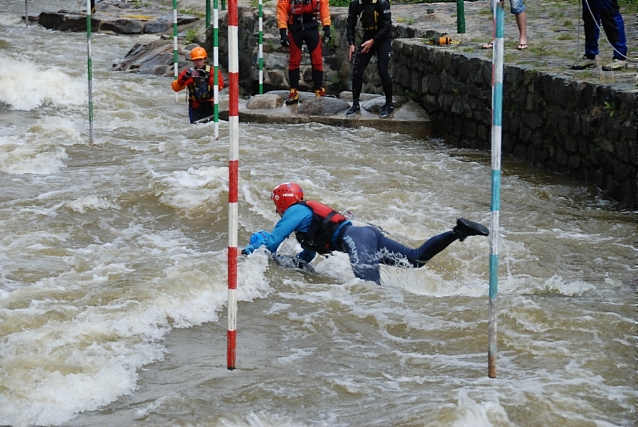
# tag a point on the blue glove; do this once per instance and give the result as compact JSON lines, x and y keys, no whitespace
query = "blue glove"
{"x":257,"y":240}
{"x":327,"y":36}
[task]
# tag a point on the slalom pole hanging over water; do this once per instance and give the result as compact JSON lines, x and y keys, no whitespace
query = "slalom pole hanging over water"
{"x":26,"y":12}
{"x":497,"y":122}
{"x":215,"y":69}
{"x":261,"y":48}
{"x":90,"y":67}
{"x":233,"y":175}
{"x":175,"y":56}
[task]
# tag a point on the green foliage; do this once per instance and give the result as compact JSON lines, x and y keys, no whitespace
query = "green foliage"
{"x":190,"y":35}
{"x":339,"y":3}
{"x":332,"y":44}
{"x":409,"y":20}
{"x":610,"y":107}
{"x":191,"y":12}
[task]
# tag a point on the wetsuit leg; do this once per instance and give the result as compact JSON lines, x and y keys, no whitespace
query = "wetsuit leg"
{"x":296,"y":43}
{"x":361,"y":61}
{"x":393,"y":251}
{"x":367,"y":247}
{"x":313,"y":41}
{"x":383,"y":56}
{"x":361,"y":244}
{"x":205,"y":109}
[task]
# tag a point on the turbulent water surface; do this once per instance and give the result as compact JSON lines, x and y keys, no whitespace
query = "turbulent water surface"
{"x":113,"y":283}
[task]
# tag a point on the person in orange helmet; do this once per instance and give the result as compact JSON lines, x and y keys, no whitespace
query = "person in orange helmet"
{"x":299,"y":20}
{"x":200,"y":82}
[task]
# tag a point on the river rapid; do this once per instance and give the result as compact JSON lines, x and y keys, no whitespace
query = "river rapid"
{"x":113,"y":279}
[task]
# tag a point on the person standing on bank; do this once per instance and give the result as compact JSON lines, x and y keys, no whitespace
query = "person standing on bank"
{"x":319,"y":229}
{"x":377,"y":38}
{"x":200,"y":82}
{"x":300,"y":19}
{"x":606,"y":12}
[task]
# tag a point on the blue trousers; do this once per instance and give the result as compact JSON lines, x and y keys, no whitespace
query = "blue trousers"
{"x":367,"y":247}
{"x":606,"y":12}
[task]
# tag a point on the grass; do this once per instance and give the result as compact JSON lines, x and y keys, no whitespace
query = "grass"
{"x":409,"y":20}
{"x":566,"y":36}
{"x":192,"y":12}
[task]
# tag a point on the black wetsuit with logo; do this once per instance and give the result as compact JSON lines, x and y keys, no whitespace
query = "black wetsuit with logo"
{"x":377,"y":25}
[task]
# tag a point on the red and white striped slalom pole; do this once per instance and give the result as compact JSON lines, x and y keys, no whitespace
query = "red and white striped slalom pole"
{"x":233,"y":175}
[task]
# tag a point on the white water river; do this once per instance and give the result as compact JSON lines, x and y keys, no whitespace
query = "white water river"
{"x":113,"y":278}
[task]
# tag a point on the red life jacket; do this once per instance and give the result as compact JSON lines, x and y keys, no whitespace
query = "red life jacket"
{"x":325,"y":222}
{"x":303,"y":14}
{"x":303,"y":7}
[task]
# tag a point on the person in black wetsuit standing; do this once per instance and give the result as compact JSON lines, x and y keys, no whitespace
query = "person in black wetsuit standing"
{"x":377,"y":38}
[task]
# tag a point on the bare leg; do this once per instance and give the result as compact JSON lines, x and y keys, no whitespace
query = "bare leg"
{"x":521,"y":21}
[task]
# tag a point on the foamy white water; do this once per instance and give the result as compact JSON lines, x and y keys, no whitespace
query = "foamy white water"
{"x":113,"y":283}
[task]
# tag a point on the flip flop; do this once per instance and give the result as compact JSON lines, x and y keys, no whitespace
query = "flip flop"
{"x":487,"y":46}
{"x":522,"y":46}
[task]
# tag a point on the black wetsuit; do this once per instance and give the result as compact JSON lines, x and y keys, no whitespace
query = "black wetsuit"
{"x":377,"y":25}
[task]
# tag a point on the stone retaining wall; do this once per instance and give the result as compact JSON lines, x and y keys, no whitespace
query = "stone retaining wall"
{"x":575,"y":128}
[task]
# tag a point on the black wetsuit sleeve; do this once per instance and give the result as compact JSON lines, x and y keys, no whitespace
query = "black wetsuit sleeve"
{"x":353,"y":12}
{"x":385,"y":21}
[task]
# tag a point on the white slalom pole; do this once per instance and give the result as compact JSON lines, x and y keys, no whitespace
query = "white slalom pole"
{"x":216,"y":68}
{"x":233,"y":176}
{"x":26,"y":12}
{"x":175,"y":55}
{"x":497,"y":122}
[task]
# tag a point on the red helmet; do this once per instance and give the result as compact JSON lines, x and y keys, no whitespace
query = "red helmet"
{"x":285,"y":195}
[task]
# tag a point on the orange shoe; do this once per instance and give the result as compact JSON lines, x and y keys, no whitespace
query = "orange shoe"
{"x":293,"y":97}
{"x":320,"y":92}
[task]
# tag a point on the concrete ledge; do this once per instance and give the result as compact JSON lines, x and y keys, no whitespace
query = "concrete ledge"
{"x":409,"y":119}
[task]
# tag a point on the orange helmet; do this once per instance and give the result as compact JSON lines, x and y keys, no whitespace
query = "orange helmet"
{"x":285,"y":195}
{"x":198,"y":53}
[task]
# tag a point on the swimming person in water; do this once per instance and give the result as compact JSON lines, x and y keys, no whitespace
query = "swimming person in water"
{"x":321,"y":230}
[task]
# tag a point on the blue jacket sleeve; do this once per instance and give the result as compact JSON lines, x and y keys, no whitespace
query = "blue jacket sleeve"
{"x":296,"y":218}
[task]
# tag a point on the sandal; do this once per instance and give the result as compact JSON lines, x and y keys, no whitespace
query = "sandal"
{"x":488,"y":46}
{"x":522,"y":46}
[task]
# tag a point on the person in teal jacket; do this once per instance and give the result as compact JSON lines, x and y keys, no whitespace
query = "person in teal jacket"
{"x":320,"y":229}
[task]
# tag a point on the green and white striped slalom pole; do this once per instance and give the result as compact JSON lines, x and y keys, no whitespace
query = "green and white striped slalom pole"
{"x":175,"y":55}
{"x":215,"y":69}
{"x":90,"y":67}
{"x":497,"y":130}
{"x":261,"y":49}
